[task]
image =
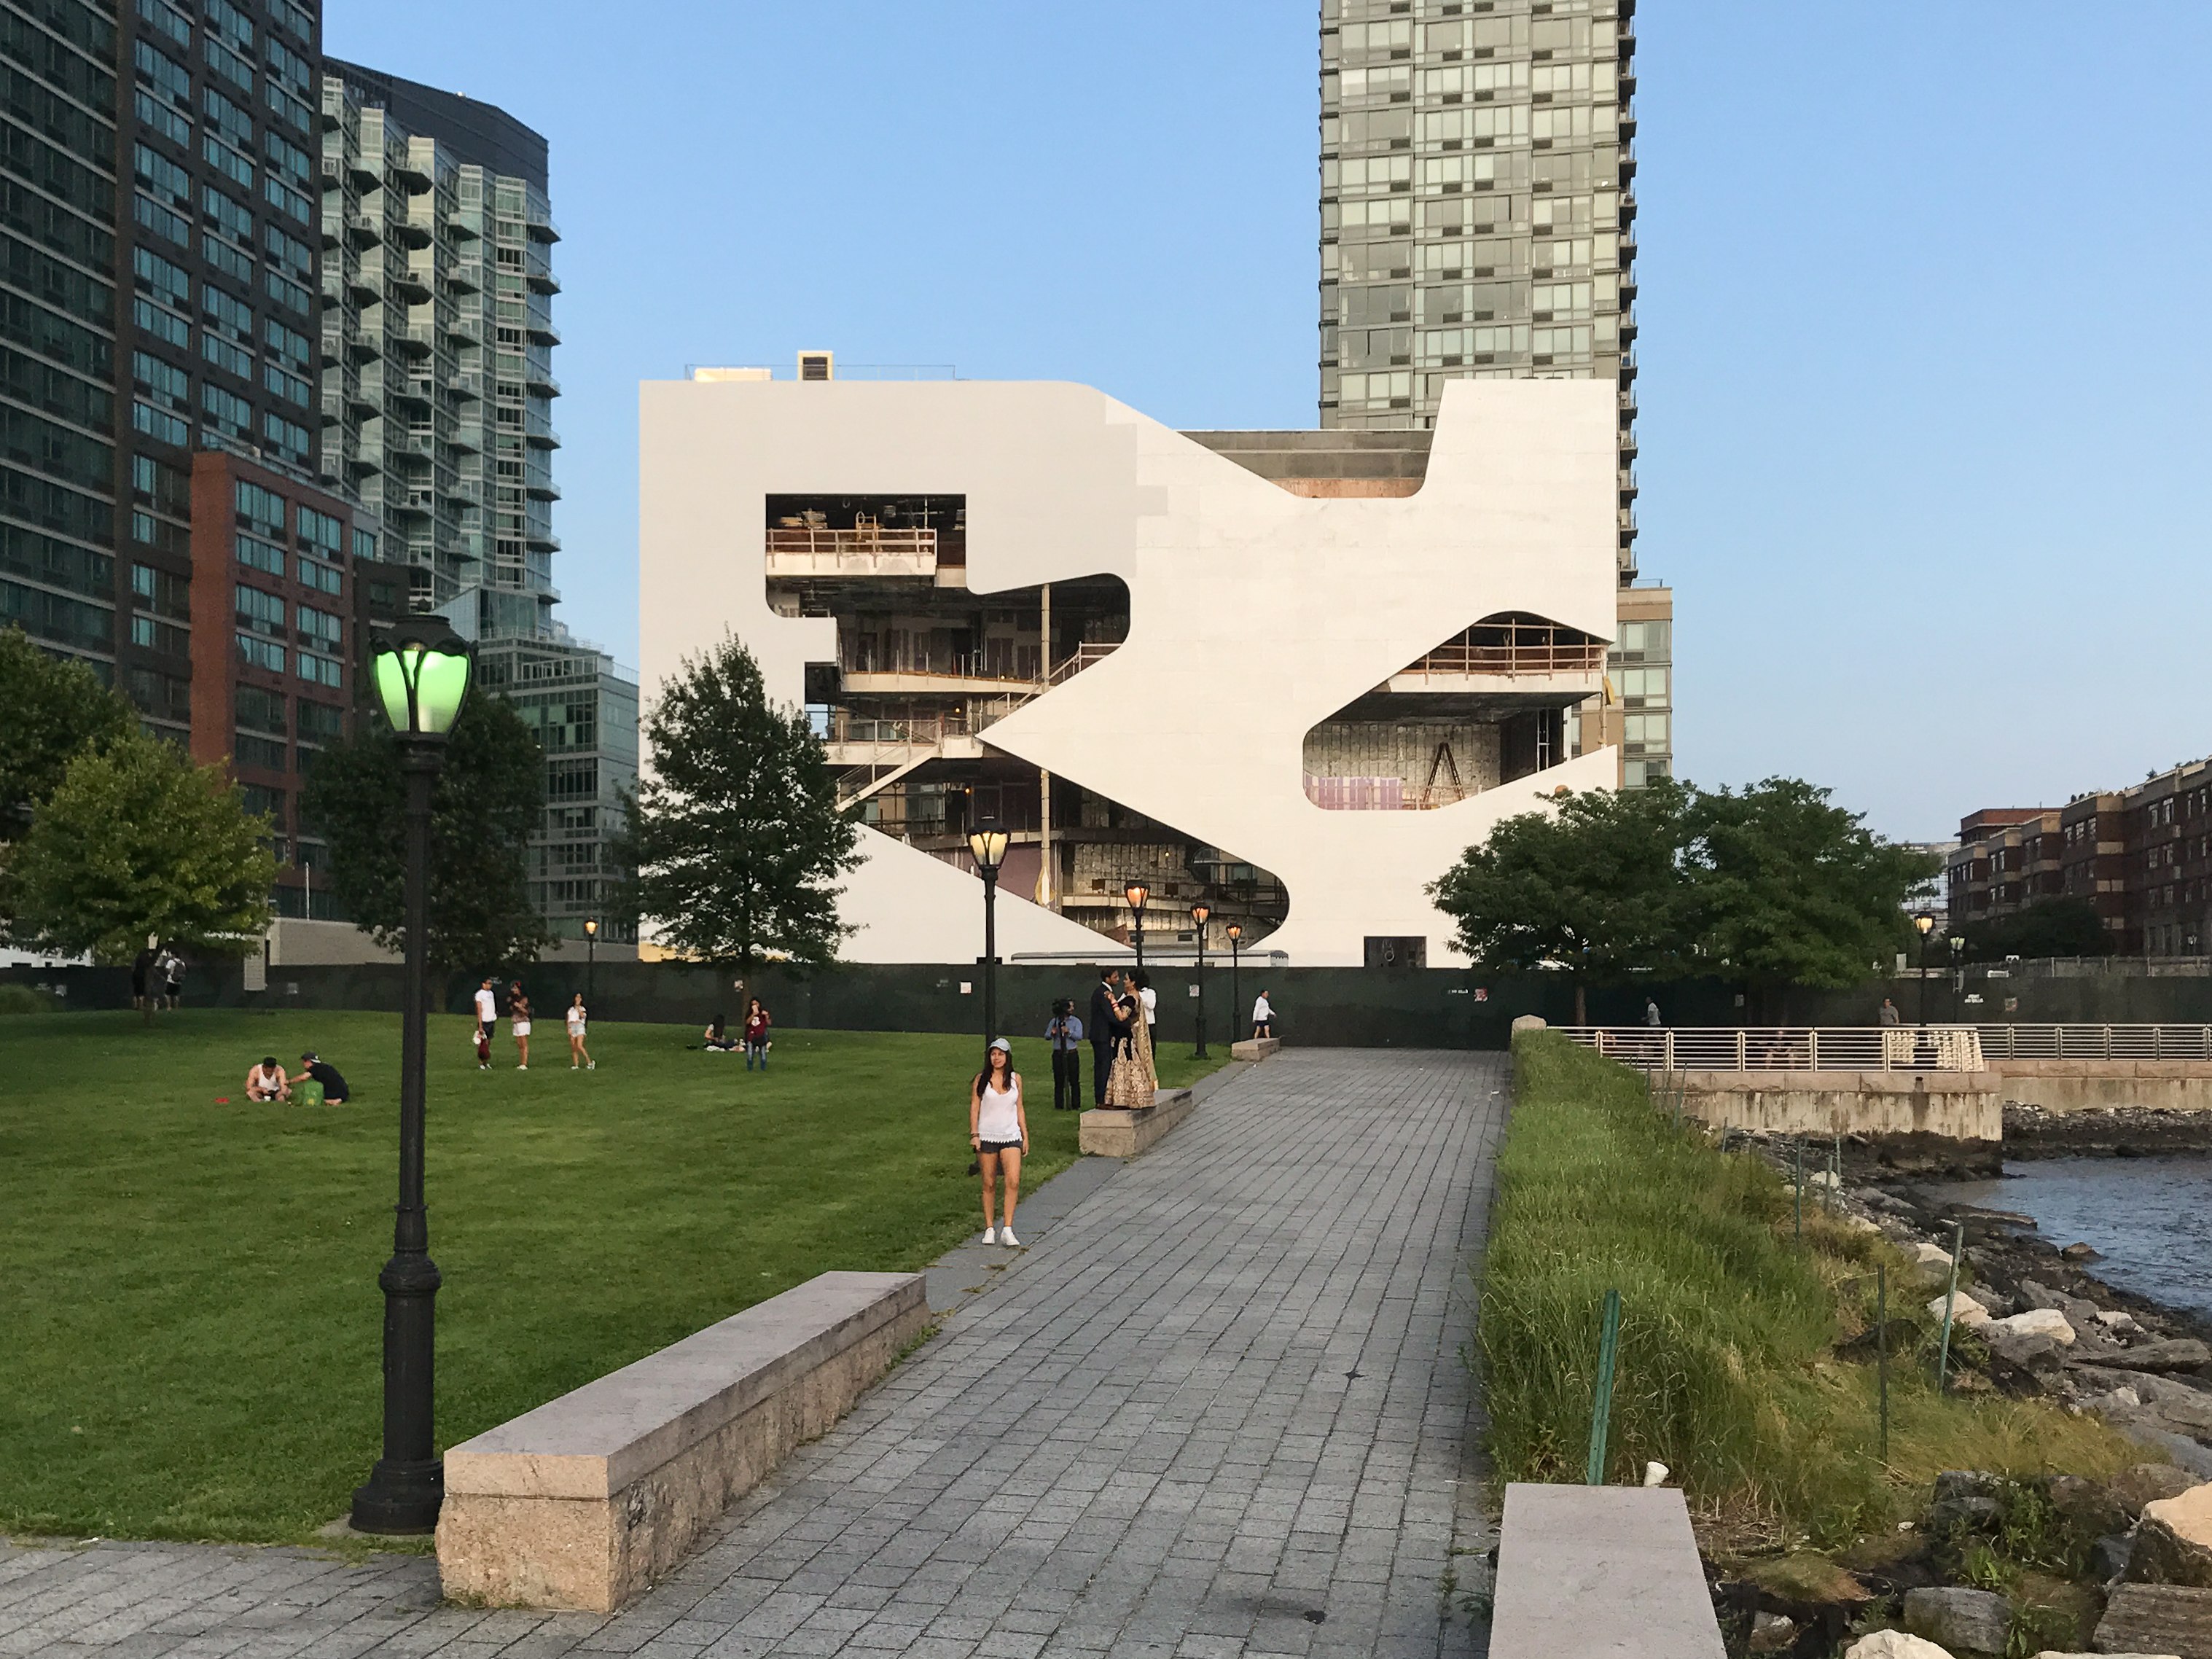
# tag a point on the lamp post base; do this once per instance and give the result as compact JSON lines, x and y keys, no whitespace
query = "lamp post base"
{"x":401,"y":1498}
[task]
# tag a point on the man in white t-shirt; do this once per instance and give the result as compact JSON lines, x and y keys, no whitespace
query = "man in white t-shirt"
{"x":487,"y":1017}
{"x":1263,"y":1017}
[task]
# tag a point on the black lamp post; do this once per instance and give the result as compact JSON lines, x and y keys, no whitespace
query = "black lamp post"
{"x":1136,"y":892}
{"x":1236,"y":931}
{"x":591,"y":958}
{"x":421,"y":670}
{"x":1926,"y":924}
{"x":1958,"y":978}
{"x":988,"y":841}
{"x":1199,"y":913}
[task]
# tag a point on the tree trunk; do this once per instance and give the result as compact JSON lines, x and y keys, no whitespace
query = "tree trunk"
{"x":1581,"y":1005}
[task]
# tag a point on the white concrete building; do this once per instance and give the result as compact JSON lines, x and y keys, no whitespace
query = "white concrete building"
{"x":1298,"y":700}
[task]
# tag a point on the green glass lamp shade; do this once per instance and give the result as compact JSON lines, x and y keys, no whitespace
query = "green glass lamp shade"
{"x":421,"y":681}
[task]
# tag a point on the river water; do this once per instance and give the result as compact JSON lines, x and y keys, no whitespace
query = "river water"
{"x":2150,"y":1218}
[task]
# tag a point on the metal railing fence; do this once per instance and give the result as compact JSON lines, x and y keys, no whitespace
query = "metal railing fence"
{"x":2097,"y":1041}
{"x":1785,"y":1048}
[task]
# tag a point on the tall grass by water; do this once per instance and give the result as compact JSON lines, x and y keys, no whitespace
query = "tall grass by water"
{"x":1728,"y":1371}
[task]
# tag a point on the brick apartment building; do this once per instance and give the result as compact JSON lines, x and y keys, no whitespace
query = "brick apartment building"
{"x":2141,"y":857}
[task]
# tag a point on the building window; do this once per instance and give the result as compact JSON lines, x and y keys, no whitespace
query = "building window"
{"x":261,"y":653}
{"x":257,"y":555}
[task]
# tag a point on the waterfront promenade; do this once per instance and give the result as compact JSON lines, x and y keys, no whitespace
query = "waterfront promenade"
{"x":1218,"y":1407}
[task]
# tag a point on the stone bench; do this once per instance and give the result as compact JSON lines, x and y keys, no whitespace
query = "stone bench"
{"x":1121,"y":1132}
{"x":587,"y":1500}
{"x":1254,"y":1048}
{"x":1588,"y":1572}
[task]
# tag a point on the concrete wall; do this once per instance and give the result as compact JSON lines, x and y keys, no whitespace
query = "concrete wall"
{"x":1254,"y":614}
{"x":1956,"y":1106}
{"x":2084,"y":1085}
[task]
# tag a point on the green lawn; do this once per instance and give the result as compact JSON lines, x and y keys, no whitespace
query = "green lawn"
{"x":190,"y":1314}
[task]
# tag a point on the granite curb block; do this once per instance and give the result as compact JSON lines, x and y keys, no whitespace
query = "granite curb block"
{"x":583,"y":1502}
{"x":1126,"y":1132}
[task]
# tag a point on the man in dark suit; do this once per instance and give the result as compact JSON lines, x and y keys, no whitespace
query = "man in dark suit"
{"x":1106,"y":1028}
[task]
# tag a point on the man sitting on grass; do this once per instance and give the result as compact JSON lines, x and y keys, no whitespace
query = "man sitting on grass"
{"x":321,"y":1071}
{"x":267,"y":1081}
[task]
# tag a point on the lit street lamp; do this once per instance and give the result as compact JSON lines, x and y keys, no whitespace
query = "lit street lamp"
{"x":1926,"y":924}
{"x":590,"y":957}
{"x":1199,"y":913}
{"x":1136,"y":892}
{"x":1236,"y":1000}
{"x":988,"y":841}
{"x":1958,"y":977}
{"x":421,"y":669}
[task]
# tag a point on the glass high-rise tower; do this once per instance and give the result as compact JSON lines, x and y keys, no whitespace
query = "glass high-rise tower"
{"x":1477,"y":214}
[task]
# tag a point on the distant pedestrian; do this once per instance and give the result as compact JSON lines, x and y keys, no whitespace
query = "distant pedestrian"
{"x":142,"y":973}
{"x":1105,"y":1027}
{"x":1889,"y":1014}
{"x":1651,"y":1014}
{"x":171,"y":966}
{"x":756,"y":1024}
{"x":1135,"y":1082}
{"x":1151,"y":1000}
{"x":517,"y":1011}
{"x":1263,"y":1016}
{"x":579,"y":1018}
{"x":487,"y":1017}
{"x":998,"y":1130}
{"x":1066,"y":1035}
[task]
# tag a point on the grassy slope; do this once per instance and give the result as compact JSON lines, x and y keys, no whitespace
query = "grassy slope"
{"x":1726,"y":1370}
{"x":190,"y":1307}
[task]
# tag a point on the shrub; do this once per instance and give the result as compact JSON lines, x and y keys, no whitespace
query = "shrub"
{"x":26,"y":999}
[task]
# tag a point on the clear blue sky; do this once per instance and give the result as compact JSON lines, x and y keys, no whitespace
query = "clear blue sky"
{"x":1924,"y":381}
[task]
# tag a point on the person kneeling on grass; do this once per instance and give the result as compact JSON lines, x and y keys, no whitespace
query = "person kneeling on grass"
{"x":719,"y":1040}
{"x":267,"y":1081}
{"x":998,"y":1130}
{"x":315,"y":1068}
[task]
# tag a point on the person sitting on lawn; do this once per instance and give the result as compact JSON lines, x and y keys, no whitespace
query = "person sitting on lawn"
{"x":267,"y":1081}
{"x":333,"y":1081}
{"x":718,"y":1039}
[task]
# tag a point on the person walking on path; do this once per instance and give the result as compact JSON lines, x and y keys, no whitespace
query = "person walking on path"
{"x":998,"y":1130}
{"x":518,"y":1010}
{"x":757,"y":1023}
{"x":1135,"y":1082}
{"x":579,"y":1018}
{"x":1105,"y":1031}
{"x":1651,"y":1014}
{"x":172,"y":975}
{"x":1065,"y":1035}
{"x":487,"y":1017}
{"x":1889,"y":1014}
{"x":1263,"y":1015}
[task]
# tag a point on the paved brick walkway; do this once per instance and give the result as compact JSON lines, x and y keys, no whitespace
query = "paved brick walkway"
{"x":1218,"y":1408}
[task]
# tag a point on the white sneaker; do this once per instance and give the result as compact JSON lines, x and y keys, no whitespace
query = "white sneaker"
{"x":1006,"y":1237}
{"x":522,"y":1068}
{"x":990,"y":1235}
{"x":592,"y":1065}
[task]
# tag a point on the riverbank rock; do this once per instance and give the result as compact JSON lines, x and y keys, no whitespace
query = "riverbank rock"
{"x":1964,"y":1311}
{"x":2184,"y":1353}
{"x":1933,"y":1262}
{"x":1893,"y":1644}
{"x":2136,"y":1488}
{"x":2162,"y":1619}
{"x":1963,"y":1620}
{"x":2036,"y":1321}
{"x":2173,"y":1541}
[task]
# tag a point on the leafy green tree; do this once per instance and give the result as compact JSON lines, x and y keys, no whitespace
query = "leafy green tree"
{"x":1592,"y":886}
{"x":1786,"y":889}
{"x":2055,"y":927}
{"x":489,"y":797}
{"x":55,"y":710}
{"x":736,"y":836}
{"x":135,"y":840}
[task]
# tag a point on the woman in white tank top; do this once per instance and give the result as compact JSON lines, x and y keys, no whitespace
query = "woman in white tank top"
{"x":998,"y":1130}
